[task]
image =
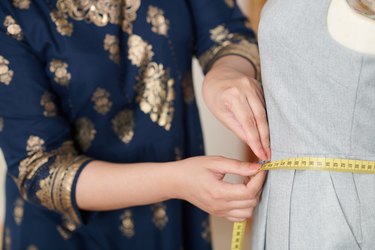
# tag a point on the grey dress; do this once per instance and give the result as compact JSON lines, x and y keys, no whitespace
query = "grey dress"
{"x":321,"y":102}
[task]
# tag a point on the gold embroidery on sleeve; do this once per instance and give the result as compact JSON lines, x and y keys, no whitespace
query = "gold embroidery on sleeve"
{"x":155,"y":16}
{"x":188,"y":89}
{"x":140,"y":52}
{"x":206,"y":233}
{"x":160,"y":217}
{"x":1,"y":124}
{"x":34,"y":145}
{"x":123,"y":125}
{"x":230,"y":3}
{"x":22,"y":4}
{"x":230,"y":44}
{"x":111,"y":44}
{"x":60,"y":69}
{"x":13,"y":29}
{"x":6,"y":75}
{"x":60,"y":19}
{"x":85,"y":132}
{"x":18,"y":211}
{"x":127,"y":224}
{"x":102,"y":104}
{"x":7,"y":239}
{"x":48,"y":105}
{"x":155,"y":94}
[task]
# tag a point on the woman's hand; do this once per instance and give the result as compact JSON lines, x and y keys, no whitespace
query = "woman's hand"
{"x":199,"y":180}
{"x":236,"y":99}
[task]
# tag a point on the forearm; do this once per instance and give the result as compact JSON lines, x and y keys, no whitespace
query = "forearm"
{"x":233,"y":63}
{"x":107,"y":186}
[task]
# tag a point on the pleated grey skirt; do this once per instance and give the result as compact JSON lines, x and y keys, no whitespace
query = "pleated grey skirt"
{"x":315,"y":210}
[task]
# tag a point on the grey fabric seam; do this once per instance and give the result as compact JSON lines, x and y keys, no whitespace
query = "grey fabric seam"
{"x":354,"y":108}
{"x":290,"y":205}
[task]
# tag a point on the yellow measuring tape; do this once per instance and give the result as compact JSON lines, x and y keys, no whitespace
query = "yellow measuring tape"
{"x":305,"y":163}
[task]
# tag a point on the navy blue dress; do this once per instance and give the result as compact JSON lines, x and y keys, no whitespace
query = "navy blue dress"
{"x":104,"y":80}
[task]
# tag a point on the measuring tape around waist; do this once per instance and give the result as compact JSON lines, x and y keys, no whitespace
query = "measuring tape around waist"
{"x":305,"y":163}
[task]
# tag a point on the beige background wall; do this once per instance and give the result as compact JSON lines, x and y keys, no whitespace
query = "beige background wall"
{"x":219,"y":141}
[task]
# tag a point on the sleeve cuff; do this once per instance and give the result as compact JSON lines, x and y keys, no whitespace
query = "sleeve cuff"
{"x":236,"y":46}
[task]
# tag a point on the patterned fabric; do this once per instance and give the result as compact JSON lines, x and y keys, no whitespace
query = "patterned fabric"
{"x":107,"y":80}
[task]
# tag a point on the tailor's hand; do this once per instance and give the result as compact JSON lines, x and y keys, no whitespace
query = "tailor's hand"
{"x":200,"y":181}
{"x":236,"y":99}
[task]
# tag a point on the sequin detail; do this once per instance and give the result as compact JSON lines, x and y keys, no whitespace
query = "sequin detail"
{"x":60,"y":70}
{"x":111,"y":44}
{"x":160,"y":217}
{"x":6,"y":75}
{"x":102,"y":104}
{"x":22,"y":4}
{"x":139,"y":52}
{"x":85,"y":132}
{"x":48,"y":105}
{"x":127,"y":224}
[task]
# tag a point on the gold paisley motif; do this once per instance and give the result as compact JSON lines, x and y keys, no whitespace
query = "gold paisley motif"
{"x":156,"y":94}
{"x":111,"y":44}
{"x":1,"y":124}
{"x":13,"y":29}
{"x":127,"y":224}
{"x":160,"y":217}
{"x":85,"y":132}
{"x":48,"y":105}
{"x":60,"y":19}
{"x":7,"y":239}
{"x":102,"y":104}
{"x":123,"y":125}
{"x":60,"y":69}
{"x":66,"y":228}
{"x":139,"y":52}
{"x":6,"y":75}
{"x":22,"y":4}
{"x":32,"y":247}
{"x":18,"y":211}
{"x":155,"y":16}
{"x":230,"y":3}
{"x":188,"y":89}
{"x":206,"y":232}
{"x":101,"y":12}
{"x":34,"y":144}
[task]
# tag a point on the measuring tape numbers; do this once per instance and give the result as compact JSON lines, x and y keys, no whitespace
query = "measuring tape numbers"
{"x":305,"y":163}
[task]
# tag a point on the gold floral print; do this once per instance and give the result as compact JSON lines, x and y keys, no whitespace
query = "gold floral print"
{"x":18,"y":211}
{"x":32,"y":247}
{"x":7,"y":239}
{"x":22,"y":4}
{"x":220,"y":34}
{"x":13,"y":29}
{"x":85,"y":132}
{"x":6,"y":75}
{"x":155,"y":16}
{"x":102,"y":104}
{"x":155,"y":94}
{"x":123,"y":125}
{"x":48,"y":105}
{"x":34,"y":144}
{"x":102,"y":12}
{"x":111,"y":44}
{"x":140,"y":52}
{"x":60,"y":69}
{"x":127,"y":224}
{"x":1,"y":124}
{"x":206,"y":232}
{"x":230,"y":3}
{"x":160,"y":217}
{"x":60,"y":19}
{"x":188,"y":89}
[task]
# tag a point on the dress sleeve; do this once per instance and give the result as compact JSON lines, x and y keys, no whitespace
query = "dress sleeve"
{"x":35,"y":136}
{"x":222,"y":29}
